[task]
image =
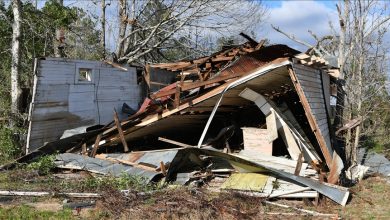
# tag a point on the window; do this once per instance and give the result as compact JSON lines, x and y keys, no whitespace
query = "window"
{"x":85,"y":75}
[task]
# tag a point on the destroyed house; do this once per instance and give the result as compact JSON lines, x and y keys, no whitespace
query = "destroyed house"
{"x":260,"y":99}
{"x":251,"y":108}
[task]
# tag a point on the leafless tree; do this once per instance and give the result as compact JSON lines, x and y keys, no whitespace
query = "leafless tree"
{"x":103,"y":31}
{"x":149,"y":26}
{"x":16,"y":56}
{"x":59,"y":40}
{"x":362,"y":54}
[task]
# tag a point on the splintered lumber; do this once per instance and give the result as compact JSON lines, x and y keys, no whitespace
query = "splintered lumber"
{"x":142,"y":166}
{"x":84,"y":149}
{"x":115,"y":65}
{"x":40,"y":194}
{"x":174,"y":142}
{"x":302,"y":56}
{"x":163,"y":168}
{"x":96,"y":145}
{"x":120,"y":131}
{"x":299,"y":165}
{"x":336,"y":193}
{"x":275,"y":195}
{"x":313,"y":213}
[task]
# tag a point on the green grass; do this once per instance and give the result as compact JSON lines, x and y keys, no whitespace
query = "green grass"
{"x":26,"y":212}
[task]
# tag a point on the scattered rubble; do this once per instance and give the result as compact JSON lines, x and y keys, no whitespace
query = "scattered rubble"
{"x":249,"y":119}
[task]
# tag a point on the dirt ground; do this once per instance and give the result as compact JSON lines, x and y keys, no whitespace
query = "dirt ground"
{"x":368,"y":201}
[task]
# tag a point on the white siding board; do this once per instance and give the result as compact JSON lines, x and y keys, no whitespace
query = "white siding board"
{"x":313,"y":90}
{"x":60,"y":103}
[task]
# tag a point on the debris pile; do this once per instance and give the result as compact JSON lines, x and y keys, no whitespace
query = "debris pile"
{"x":251,"y":118}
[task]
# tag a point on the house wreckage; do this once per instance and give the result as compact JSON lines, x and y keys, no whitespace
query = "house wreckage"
{"x":241,"y":119}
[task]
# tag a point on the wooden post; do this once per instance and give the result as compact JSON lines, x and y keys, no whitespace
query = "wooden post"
{"x":96,"y":145}
{"x":120,"y":132}
{"x":84,"y":149}
{"x":163,"y":169}
{"x":177,"y":95}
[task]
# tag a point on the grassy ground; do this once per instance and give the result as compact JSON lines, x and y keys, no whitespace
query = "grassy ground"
{"x":368,"y":200}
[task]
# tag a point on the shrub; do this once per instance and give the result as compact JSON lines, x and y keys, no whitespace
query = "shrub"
{"x":8,"y":149}
{"x":44,"y":165}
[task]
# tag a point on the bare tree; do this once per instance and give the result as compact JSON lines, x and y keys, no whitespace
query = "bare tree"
{"x":16,"y":57}
{"x":59,"y":39}
{"x":155,"y":24}
{"x":361,"y":51}
{"x":103,"y":24}
{"x":122,"y":27}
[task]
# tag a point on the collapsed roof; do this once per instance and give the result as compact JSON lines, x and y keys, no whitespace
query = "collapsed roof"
{"x":250,"y":99}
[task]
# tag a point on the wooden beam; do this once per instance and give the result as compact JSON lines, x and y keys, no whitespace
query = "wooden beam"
{"x":84,"y":149}
{"x":299,"y":165}
{"x":120,"y":132}
{"x":96,"y":145}
{"x":174,"y":142}
{"x":193,"y":85}
{"x":163,"y":169}
{"x":141,"y":166}
{"x":177,"y":95}
{"x":302,"y":56}
{"x":115,"y":65}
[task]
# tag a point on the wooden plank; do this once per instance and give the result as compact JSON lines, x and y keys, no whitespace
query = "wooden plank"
{"x":84,"y":149}
{"x":120,"y":131}
{"x":193,"y":85}
{"x":174,"y":142}
{"x":96,"y":145}
{"x":142,"y":166}
{"x":163,"y":169}
{"x":115,"y":65}
{"x":299,"y":165}
{"x":177,"y":95}
{"x":257,"y":141}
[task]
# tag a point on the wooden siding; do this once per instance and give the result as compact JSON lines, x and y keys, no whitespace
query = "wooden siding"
{"x":310,"y":80}
{"x":61,"y":102}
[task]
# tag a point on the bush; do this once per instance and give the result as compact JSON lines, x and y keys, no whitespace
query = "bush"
{"x":44,"y":165}
{"x":8,"y":149}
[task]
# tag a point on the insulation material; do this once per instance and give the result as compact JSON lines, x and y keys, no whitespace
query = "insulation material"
{"x":246,"y":181}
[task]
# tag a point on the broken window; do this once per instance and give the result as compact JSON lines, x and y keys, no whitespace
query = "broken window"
{"x":85,"y":75}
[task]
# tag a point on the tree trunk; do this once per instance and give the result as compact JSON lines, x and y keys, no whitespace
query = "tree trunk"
{"x":15,"y":63}
{"x":59,"y":38}
{"x":343,"y":19}
{"x":103,"y":34}
{"x":122,"y":27}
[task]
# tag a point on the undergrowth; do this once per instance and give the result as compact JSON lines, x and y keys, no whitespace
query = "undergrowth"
{"x":26,"y":212}
{"x":44,"y":165}
{"x":8,"y":149}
